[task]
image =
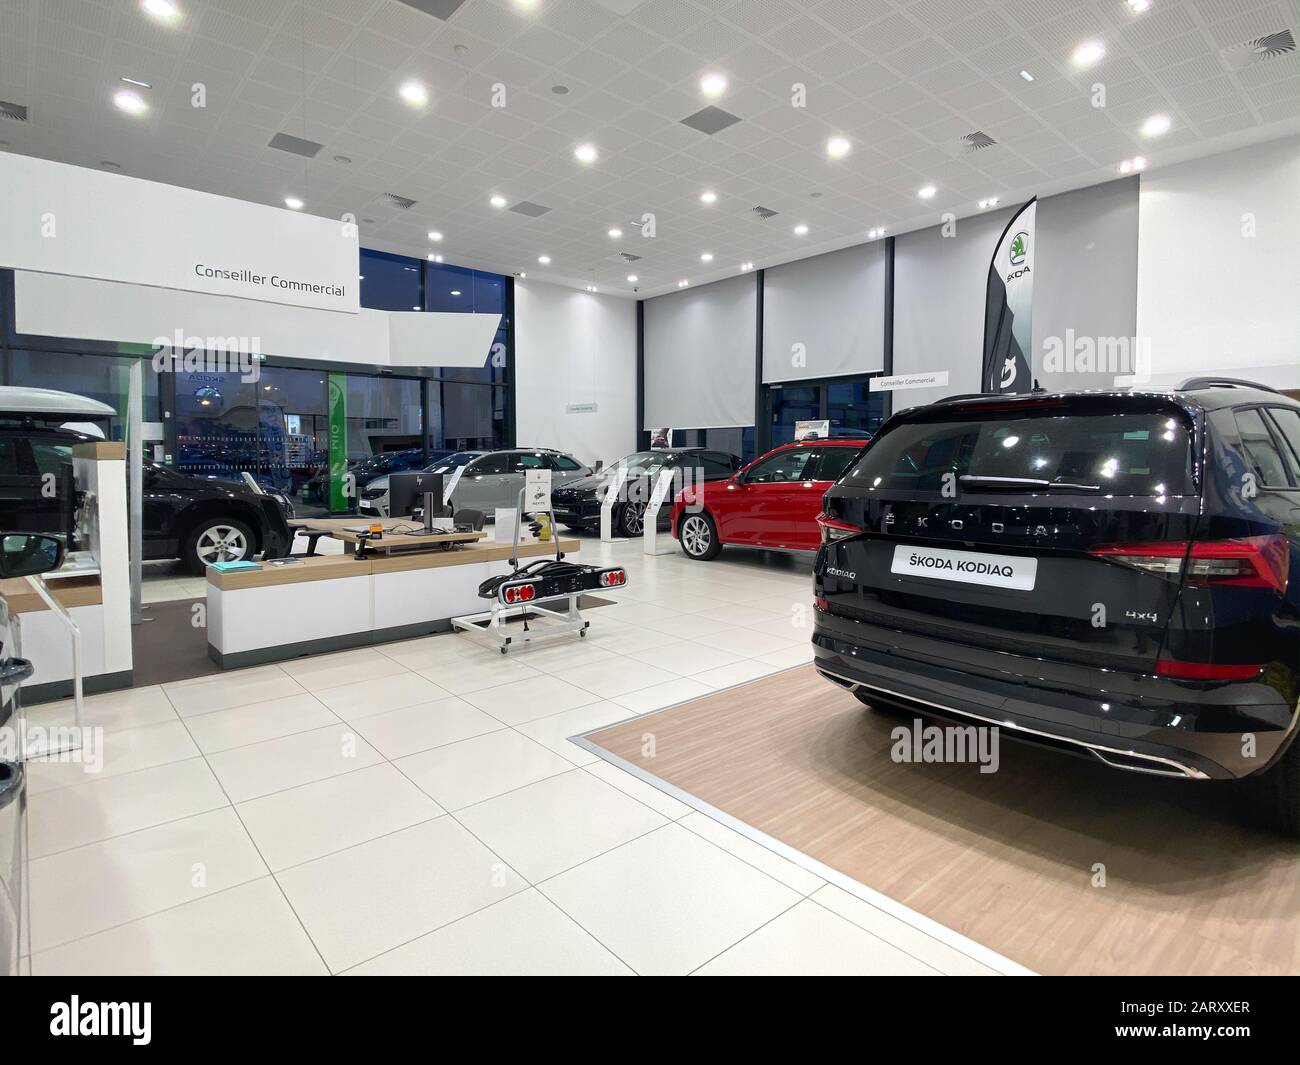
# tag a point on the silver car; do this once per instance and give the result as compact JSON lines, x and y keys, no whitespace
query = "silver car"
{"x":489,"y":479}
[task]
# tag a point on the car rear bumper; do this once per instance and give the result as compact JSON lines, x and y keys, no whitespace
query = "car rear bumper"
{"x":1138,"y":723}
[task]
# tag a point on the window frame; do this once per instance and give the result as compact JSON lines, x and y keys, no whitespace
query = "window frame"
{"x":1280,"y":445}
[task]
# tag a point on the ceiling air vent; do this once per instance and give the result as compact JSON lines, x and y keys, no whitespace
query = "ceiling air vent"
{"x":287,"y":142}
{"x":1260,"y":50}
{"x":976,"y":142}
{"x":530,"y":209}
{"x":16,"y":112}
{"x":391,"y":199}
{"x":628,"y":257}
{"x":710,"y":120}
{"x":763,"y":212}
{"x":439,"y":9}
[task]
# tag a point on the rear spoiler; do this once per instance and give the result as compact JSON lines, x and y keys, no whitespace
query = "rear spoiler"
{"x":1192,"y":384}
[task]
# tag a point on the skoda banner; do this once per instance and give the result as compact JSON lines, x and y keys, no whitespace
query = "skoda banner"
{"x":1008,"y":307}
{"x":341,"y":494}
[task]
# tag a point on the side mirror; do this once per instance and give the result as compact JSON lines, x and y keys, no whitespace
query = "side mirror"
{"x":23,"y":554}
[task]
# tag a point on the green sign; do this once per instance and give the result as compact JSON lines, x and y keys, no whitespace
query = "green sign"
{"x":341,"y":489}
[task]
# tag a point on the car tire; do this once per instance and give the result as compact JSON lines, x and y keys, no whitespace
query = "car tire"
{"x":1273,"y":798}
{"x":884,"y":709}
{"x":698,"y":534}
{"x":217,"y":540}
{"x":631,"y":520}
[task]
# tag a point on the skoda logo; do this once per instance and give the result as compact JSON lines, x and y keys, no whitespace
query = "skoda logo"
{"x":1019,"y":248}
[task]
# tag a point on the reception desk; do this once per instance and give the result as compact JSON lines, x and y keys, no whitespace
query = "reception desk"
{"x":334,"y":602}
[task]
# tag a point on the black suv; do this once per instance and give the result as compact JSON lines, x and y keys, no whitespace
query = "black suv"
{"x":577,"y":503}
{"x":1107,"y":573}
{"x":196,"y":519}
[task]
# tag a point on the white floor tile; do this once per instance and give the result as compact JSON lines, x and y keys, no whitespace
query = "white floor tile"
{"x":668,"y":902}
{"x":371,"y":898}
{"x":660,"y":802}
{"x":474,"y":674}
{"x":433,"y":652}
{"x":362,"y":698}
{"x":617,"y":676}
{"x":122,"y":751}
{"x":740,"y":614}
{"x":104,"y":807}
{"x":553,"y":732}
{"x":670,"y":693}
{"x":624,"y":639}
{"x":788,"y":657}
{"x":684,"y":627}
{"x":128,"y":708}
{"x":686,"y":657}
{"x":795,"y":628}
{"x":919,"y":944}
{"x":397,"y":733}
{"x":230,"y":689}
{"x":273,"y":765}
{"x":247,"y":930}
{"x":79,"y":892}
{"x":239,"y":726}
{"x":310,"y":821}
{"x":246,"y":675}
{"x":524,"y":935}
{"x":527,"y":700}
{"x":792,"y":876}
{"x":555,"y":824}
{"x":811,"y":941}
{"x":464,"y":773}
{"x":346,"y":667}
{"x":729,"y":676}
{"x":749,"y":643}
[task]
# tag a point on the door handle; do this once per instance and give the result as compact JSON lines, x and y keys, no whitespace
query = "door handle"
{"x":11,"y":782}
{"x":13,"y":670}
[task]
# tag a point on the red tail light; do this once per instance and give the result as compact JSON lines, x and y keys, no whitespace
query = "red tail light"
{"x":821,"y":603}
{"x":613,"y":578}
{"x":519,"y":593}
{"x":833,"y":529}
{"x":1248,"y":562}
{"x":1172,"y":667}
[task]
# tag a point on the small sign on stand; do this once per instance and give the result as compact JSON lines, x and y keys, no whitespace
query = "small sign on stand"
{"x":612,"y":494}
{"x":652,"y":541}
{"x":537,"y":491}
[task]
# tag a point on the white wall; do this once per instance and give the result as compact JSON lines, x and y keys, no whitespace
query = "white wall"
{"x":575,"y":348}
{"x":1210,"y":298}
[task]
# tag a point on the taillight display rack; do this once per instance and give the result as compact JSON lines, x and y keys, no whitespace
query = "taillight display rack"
{"x":517,"y":597}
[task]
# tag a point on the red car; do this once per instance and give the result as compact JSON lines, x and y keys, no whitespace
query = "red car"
{"x":772,"y":502}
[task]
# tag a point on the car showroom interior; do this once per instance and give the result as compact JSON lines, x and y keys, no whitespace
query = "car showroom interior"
{"x":628,"y":487}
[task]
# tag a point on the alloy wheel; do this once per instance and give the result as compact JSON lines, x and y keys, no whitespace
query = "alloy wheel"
{"x":634,"y":518}
{"x":696,"y":535}
{"x":221,"y":543}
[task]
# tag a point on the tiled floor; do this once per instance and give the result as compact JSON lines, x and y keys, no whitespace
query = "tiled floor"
{"x":418,"y":808}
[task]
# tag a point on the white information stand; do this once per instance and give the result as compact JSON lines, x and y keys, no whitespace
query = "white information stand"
{"x":607,"y":504}
{"x":653,"y":542}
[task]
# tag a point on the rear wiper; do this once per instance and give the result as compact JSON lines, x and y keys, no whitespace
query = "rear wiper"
{"x":1033,"y":484}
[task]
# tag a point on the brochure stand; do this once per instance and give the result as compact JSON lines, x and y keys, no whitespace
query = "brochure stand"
{"x":607,"y":506}
{"x":653,"y":542}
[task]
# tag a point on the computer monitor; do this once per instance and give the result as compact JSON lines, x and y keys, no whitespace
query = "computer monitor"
{"x":406,"y":491}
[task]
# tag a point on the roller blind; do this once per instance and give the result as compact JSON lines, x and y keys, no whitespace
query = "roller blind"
{"x":699,"y":356}
{"x":825,"y":316}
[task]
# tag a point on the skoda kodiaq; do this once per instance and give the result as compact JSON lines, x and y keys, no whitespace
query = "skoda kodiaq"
{"x":1115,"y":574}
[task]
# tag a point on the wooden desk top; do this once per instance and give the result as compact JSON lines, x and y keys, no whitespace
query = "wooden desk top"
{"x":21,"y":597}
{"x":337,"y":529}
{"x":338,"y":567}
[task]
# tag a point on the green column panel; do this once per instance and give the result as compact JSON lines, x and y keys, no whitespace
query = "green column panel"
{"x":340,"y":490}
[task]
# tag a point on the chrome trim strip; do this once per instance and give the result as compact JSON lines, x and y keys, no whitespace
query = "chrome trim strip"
{"x":1177,"y":769}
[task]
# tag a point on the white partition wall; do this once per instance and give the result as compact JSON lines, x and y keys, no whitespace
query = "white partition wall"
{"x":699,"y":356}
{"x":1219,"y":254}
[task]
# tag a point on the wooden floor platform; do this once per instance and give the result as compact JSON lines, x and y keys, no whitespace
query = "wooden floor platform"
{"x":1009,"y":859}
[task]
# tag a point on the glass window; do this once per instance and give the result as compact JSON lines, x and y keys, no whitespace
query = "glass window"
{"x":834,"y":461}
{"x":390,"y":282}
{"x":853,"y":409}
{"x":51,"y":458}
{"x":784,"y":466}
{"x":563,"y":462}
{"x":294,"y":420}
{"x":216,"y":420}
{"x":101,"y":377}
{"x":1261,"y":449}
{"x":718,"y":466}
{"x":1288,"y":422}
{"x":526,"y":460}
{"x":489,"y":464}
{"x":471,"y":416}
{"x":792,"y":404}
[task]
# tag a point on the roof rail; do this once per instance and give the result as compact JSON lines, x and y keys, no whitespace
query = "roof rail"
{"x":1194,"y":383}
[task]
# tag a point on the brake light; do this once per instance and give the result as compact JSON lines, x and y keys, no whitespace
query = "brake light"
{"x":1172,"y":667}
{"x":821,"y":603}
{"x":833,"y":529}
{"x":1247,"y":562}
{"x":613,"y":578}
{"x":519,"y":593}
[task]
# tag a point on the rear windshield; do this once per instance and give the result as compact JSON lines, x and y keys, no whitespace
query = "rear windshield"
{"x":1131,"y":454}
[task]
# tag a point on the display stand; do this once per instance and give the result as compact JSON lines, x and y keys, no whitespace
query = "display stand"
{"x":653,"y":542}
{"x":607,"y":506}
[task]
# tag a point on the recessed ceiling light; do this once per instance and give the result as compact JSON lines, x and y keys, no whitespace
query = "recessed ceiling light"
{"x":414,"y":93}
{"x":1156,"y":126}
{"x":1139,"y":162}
{"x":160,"y":8}
{"x":526,"y":5}
{"x":707,"y":257}
{"x":522,"y":274}
{"x":746,"y":266}
{"x":455,"y":292}
{"x":435,"y":236}
{"x":992,"y":201}
{"x":800,"y":230}
{"x":585,"y":153}
{"x":1139,"y":6}
{"x":1130,"y":166}
{"x":682,"y":283}
{"x":838,"y":147}
{"x":927,"y":192}
{"x":545,"y":260}
{"x":1026,"y":75}
{"x":1088,"y":54}
{"x":293,"y":203}
{"x":876,"y":233}
{"x":135,"y":81}
{"x":615,"y":233}
{"x":497,"y":201}
{"x":713,"y":84}
{"x":633,"y":278}
{"x":130,"y":102}
{"x":708,"y":197}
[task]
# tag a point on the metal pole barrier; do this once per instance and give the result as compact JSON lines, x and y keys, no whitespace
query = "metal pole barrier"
{"x":135,"y":483}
